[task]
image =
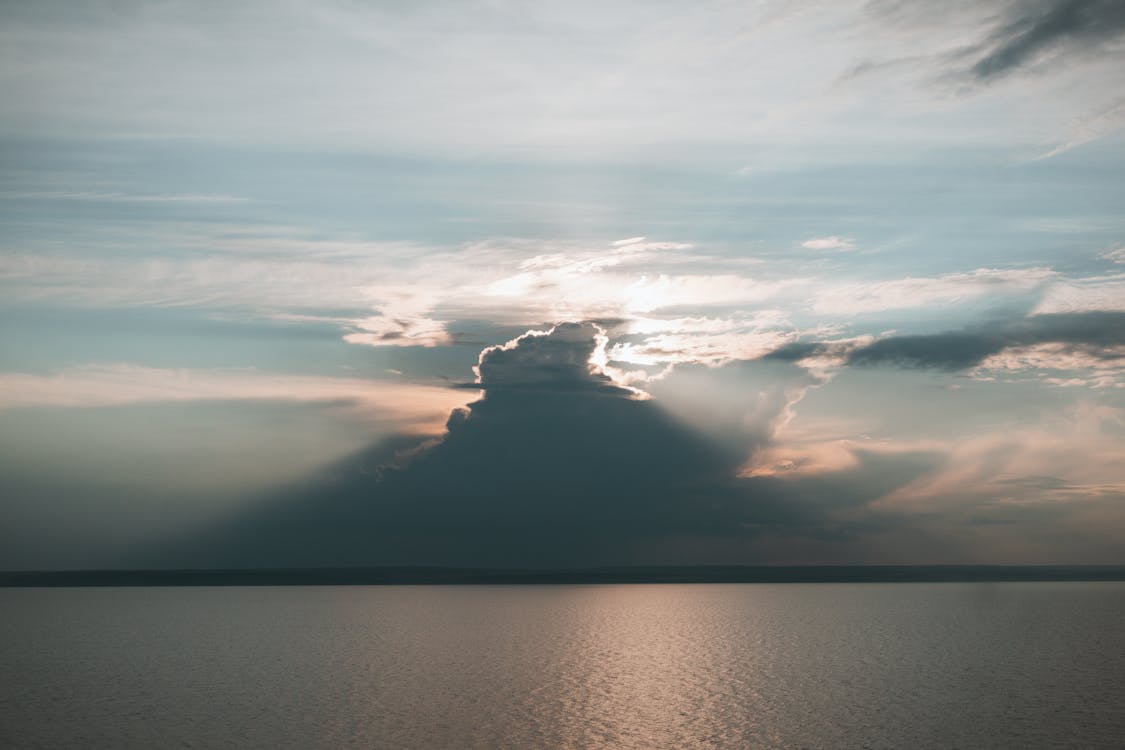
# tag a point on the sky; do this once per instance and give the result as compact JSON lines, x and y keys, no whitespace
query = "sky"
{"x":561,"y":283}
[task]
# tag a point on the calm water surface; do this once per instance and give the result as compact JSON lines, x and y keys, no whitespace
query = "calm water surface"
{"x":1019,"y":665}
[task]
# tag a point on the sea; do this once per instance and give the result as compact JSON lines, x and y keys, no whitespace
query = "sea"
{"x":866,"y":665}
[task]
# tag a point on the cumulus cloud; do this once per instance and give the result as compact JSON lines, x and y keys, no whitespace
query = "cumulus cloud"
{"x":553,"y":465}
{"x":568,"y":356}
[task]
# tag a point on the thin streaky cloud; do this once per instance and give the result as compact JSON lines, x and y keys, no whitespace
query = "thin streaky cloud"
{"x":111,"y":197}
{"x":410,"y":407}
{"x":835,"y":242}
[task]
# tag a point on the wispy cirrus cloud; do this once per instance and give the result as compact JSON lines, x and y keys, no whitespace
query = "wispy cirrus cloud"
{"x":995,"y":474}
{"x":1061,"y":51}
{"x":1054,"y":31}
{"x":850,"y":298}
{"x":1089,"y":127}
{"x":116,"y":197}
{"x":984,"y":42}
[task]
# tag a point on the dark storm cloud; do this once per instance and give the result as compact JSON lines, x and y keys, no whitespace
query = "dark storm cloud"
{"x":1094,"y":334}
{"x":554,"y":466}
{"x":1030,"y":31}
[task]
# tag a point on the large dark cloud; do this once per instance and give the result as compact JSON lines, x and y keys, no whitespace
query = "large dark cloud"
{"x":1031,"y":31}
{"x":1095,"y":334}
{"x":554,"y":466}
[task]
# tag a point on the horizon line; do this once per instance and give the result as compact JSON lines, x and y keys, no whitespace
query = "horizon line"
{"x":455,"y":575}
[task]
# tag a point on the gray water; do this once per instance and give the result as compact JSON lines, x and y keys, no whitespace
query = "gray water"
{"x":1019,"y":665}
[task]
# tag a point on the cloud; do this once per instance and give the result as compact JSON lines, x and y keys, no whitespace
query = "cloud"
{"x":1011,"y":36}
{"x":1033,"y":32}
{"x":400,"y":328}
{"x":1096,"y":336}
{"x":1062,"y":459}
{"x":672,"y":303}
{"x":108,"y":197}
{"x":1092,"y":294}
{"x":835,"y":242}
{"x":810,"y":354}
{"x":915,"y":292}
{"x":599,"y":100}
{"x":972,"y":46}
{"x":554,"y":465}
{"x":677,"y":303}
{"x":403,"y":407}
{"x":568,"y":356}
{"x":701,"y":340}
{"x":1079,"y":367}
{"x":1095,"y":125}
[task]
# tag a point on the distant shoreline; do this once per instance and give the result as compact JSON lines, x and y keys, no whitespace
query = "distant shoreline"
{"x":369,"y":576}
